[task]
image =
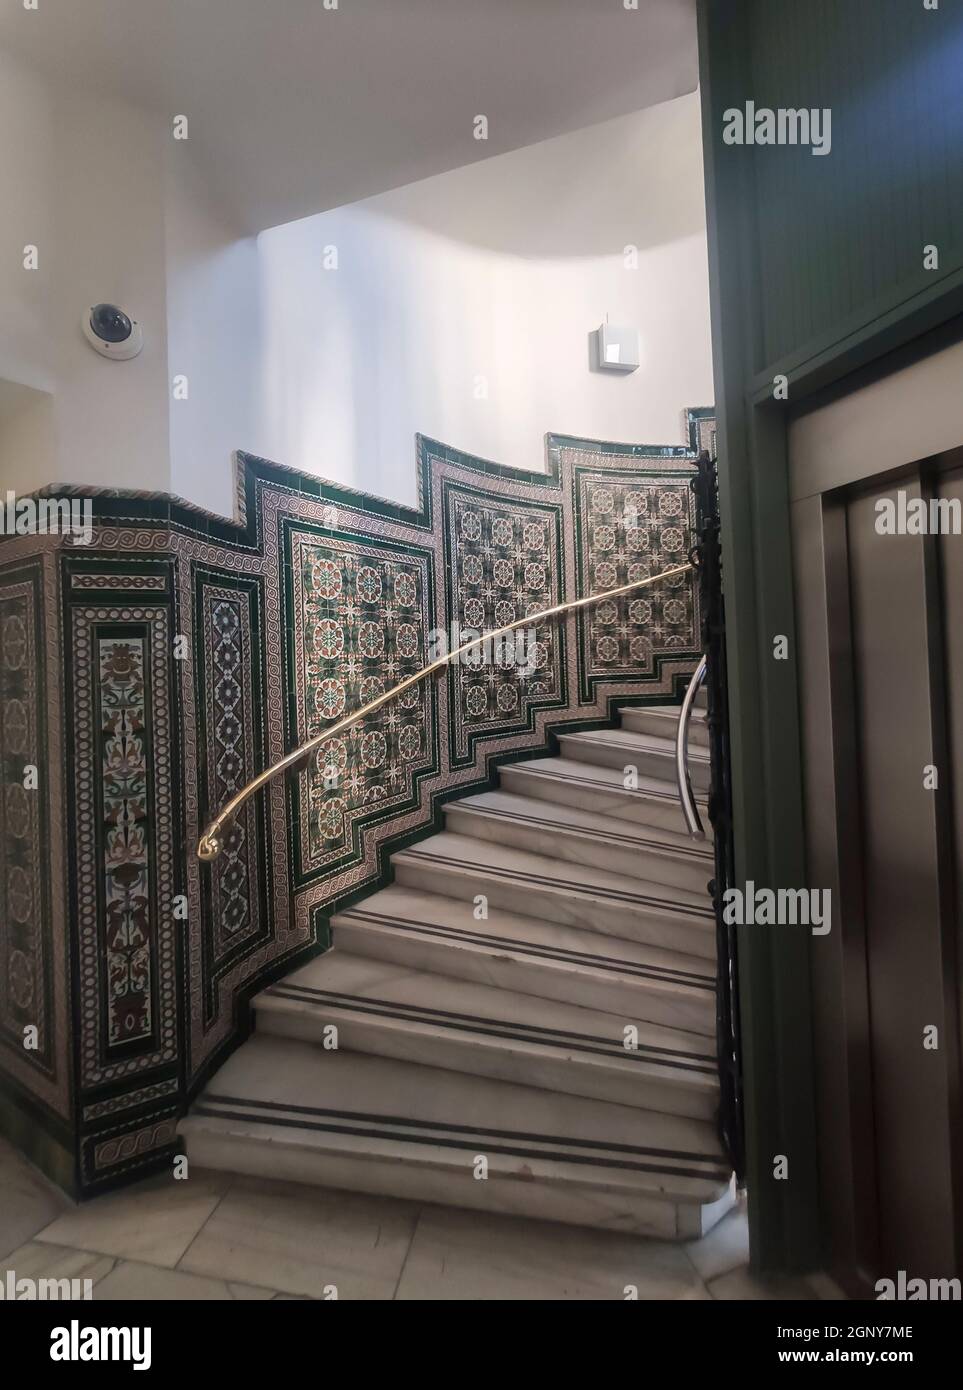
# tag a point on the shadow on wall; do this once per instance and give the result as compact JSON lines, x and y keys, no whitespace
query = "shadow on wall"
{"x":635,"y":180}
{"x":458,"y":307}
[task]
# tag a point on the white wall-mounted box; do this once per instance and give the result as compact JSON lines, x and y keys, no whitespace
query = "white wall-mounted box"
{"x":618,"y":348}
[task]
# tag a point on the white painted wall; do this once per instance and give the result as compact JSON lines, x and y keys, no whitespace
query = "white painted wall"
{"x":26,"y":218}
{"x":81,"y":179}
{"x":28,"y":437}
{"x":497,"y":271}
{"x":213,"y":336}
{"x":118,"y":212}
{"x":109,"y":245}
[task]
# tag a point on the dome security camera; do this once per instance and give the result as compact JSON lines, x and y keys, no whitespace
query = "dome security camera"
{"x":112,"y":332}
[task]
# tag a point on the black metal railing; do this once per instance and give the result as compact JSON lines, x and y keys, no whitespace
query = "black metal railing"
{"x":707,"y":552}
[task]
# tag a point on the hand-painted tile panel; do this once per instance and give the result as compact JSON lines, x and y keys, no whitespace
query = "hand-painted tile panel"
{"x":124,"y":834}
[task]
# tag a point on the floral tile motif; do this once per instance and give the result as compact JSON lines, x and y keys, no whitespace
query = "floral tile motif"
{"x":124,"y":807}
{"x":503,"y":563}
{"x":124,"y":787}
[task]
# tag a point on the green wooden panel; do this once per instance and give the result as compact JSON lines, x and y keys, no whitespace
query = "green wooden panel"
{"x":816,"y":269}
{"x":838,"y":233}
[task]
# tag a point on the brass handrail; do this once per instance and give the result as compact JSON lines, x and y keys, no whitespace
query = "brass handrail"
{"x":210,"y":844}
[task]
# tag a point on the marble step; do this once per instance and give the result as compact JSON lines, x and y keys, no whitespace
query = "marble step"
{"x":288,"y":1110}
{"x":620,"y":749}
{"x":662,"y":721}
{"x":424,"y":931}
{"x":397,"y":1011}
{"x":577,"y":895}
{"x":602,"y":790}
{"x":583,"y":837}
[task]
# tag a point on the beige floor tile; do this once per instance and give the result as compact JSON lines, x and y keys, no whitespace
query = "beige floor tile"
{"x":465,"y":1255}
{"x":38,"y":1260}
{"x":700,"y":1294}
{"x":740,"y":1284}
{"x":153,"y":1222}
{"x":726,"y":1246}
{"x":303,"y":1240}
{"x":150,"y":1283}
{"x":28,"y":1202}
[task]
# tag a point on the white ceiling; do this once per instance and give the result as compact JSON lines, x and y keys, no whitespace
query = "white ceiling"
{"x":295,"y":108}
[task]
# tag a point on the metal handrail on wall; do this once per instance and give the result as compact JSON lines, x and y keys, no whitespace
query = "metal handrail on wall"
{"x":689,"y":808}
{"x":211,"y":842}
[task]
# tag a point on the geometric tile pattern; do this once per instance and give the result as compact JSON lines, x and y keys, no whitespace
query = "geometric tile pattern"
{"x":631,"y":528}
{"x":228,"y":697}
{"x":503,"y":563}
{"x":150,"y":674}
{"x":361,"y":620}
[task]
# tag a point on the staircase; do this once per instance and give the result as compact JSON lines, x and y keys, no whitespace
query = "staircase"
{"x":480,"y":1005}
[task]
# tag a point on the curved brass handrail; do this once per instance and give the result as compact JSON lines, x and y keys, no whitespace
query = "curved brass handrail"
{"x":210,"y":844}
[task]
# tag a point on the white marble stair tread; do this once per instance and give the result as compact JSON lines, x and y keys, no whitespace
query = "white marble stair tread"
{"x":294,"y":1111}
{"x":580,"y":895}
{"x":569,"y":782}
{"x":531,"y":956}
{"x":621,"y":748}
{"x":584,"y":837}
{"x":413,"y":1015}
{"x":663,"y":722}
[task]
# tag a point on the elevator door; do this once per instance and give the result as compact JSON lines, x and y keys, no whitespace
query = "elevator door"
{"x":881,"y":687}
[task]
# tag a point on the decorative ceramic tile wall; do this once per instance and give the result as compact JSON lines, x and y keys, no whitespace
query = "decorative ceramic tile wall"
{"x":362,"y":615}
{"x":34,"y":1051}
{"x":25,"y":984}
{"x":502,"y":562}
{"x":189,"y":652}
{"x":228,"y":694}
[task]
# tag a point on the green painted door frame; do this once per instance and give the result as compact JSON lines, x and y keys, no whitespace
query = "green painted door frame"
{"x":774,"y":970}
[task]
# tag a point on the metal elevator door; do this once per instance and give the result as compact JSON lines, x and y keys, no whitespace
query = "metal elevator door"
{"x":881,"y":686}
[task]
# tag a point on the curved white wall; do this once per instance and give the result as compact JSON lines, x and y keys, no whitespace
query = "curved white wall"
{"x":499,"y":270}
{"x":491,"y":276}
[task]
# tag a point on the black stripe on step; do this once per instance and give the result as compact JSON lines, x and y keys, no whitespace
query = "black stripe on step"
{"x":588,"y":740}
{"x":446,"y":1133}
{"x":495,"y":1028}
{"x":606,"y":836}
{"x":443,"y":1127}
{"x":667,"y":974}
{"x":616,"y":895}
{"x":596,"y":785}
